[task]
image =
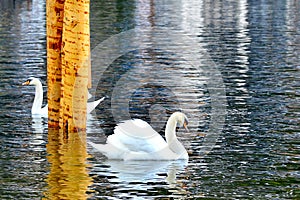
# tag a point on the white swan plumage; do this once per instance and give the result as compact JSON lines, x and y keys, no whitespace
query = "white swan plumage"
{"x":137,"y":140}
{"x":38,"y":110}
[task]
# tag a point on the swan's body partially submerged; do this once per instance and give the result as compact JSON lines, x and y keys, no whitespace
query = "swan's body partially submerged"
{"x":38,"y":110}
{"x":137,"y":140}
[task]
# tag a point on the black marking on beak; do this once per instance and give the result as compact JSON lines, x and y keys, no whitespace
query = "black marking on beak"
{"x":27,"y":82}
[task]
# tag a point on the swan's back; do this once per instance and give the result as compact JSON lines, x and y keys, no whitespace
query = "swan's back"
{"x":136,"y":136}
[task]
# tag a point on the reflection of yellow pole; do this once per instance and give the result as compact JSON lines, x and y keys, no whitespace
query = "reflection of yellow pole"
{"x":68,"y":178}
{"x":68,"y":47}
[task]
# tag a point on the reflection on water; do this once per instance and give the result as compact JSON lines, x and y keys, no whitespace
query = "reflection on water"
{"x":39,"y":125}
{"x":129,"y":178}
{"x":68,"y":177}
{"x":136,"y":171}
{"x":255,"y":46}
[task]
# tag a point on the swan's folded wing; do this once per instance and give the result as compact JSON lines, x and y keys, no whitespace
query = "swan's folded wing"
{"x":137,"y":136}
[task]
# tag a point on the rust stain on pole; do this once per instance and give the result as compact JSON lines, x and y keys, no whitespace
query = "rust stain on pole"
{"x":68,"y":63}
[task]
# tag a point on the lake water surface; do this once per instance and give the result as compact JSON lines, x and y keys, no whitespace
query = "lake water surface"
{"x":233,"y":67}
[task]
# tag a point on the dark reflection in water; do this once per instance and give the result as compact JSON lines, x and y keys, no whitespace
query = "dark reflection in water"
{"x":255,"y":46}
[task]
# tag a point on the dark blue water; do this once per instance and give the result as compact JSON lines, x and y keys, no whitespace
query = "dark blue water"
{"x":232,"y":67}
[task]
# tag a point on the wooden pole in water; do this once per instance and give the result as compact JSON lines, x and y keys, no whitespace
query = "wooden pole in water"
{"x":55,"y":14}
{"x":75,"y":59}
{"x":68,"y":77}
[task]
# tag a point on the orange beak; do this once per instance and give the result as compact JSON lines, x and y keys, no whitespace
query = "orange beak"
{"x":26,"y":83}
{"x":185,"y":126}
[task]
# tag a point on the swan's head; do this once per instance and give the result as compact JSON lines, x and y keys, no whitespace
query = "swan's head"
{"x":31,"y":81}
{"x":181,"y":118}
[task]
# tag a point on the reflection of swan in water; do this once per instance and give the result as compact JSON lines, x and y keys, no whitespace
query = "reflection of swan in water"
{"x":136,"y":171}
{"x":38,"y":124}
{"x":140,"y":177}
{"x":37,"y":140}
{"x":136,"y":140}
{"x":37,"y":109}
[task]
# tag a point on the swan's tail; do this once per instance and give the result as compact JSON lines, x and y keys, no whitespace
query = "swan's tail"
{"x":92,"y":105}
{"x":99,"y":147}
{"x":110,"y":151}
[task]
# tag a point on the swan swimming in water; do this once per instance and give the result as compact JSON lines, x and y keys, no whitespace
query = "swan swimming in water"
{"x":137,"y":140}
{"x":37,"y":109}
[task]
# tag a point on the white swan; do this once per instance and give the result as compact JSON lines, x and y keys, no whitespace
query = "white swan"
{"x":136,"y":140}
{"x":37,"y":109}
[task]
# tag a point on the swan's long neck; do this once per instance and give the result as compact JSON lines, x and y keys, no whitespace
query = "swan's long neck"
{"x":170,"y":131}
{"x":38,"y":99}
{"x":170,"y":134}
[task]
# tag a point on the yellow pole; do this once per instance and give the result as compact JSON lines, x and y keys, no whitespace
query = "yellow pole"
{"x":68,"y":58}
{"x":68,"y":53}
{"x":75,"y":62}
{"x":55,"y":14}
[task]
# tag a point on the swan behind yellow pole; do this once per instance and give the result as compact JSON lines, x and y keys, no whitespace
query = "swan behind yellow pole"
{"x":37,"y":109}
